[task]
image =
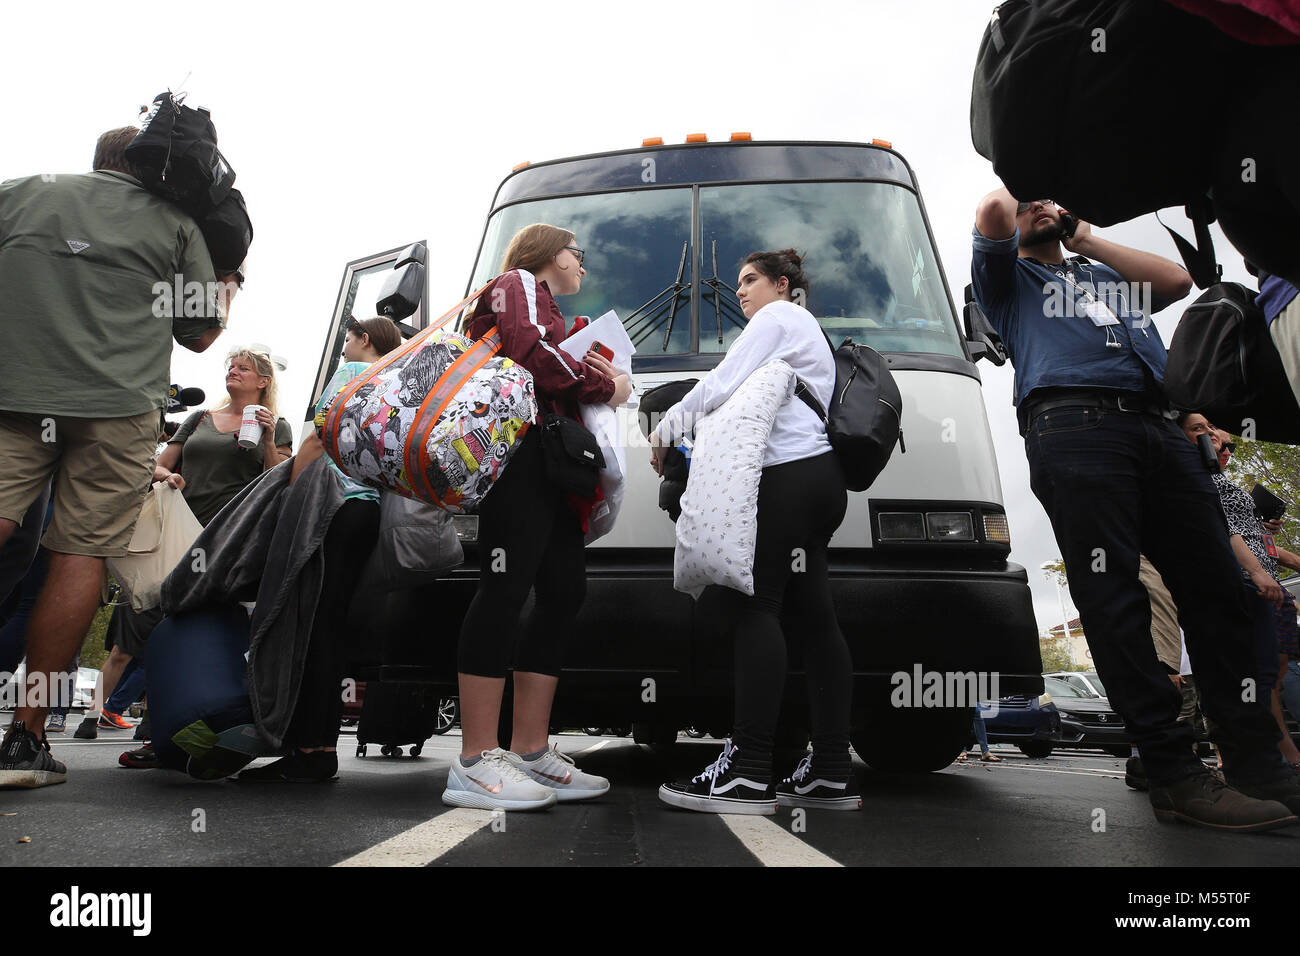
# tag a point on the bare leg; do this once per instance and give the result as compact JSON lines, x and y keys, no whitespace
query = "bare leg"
{"x":534,"y":694}
{"x":58,"y":625}
{"x":480,"y":710}
{"x":112,"y":673}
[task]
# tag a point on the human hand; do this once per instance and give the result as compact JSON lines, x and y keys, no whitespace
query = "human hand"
{"x":622,"y":391}
{"x":1178,"y":680}
{"x":600,"y":364}
{"x":175,"y":480}
{"x":1272,"y":526}
{"x":1269,"y":589}
{"x":1082,"y":233}
{"x":657,"y":453}
{"x":267,"y":420}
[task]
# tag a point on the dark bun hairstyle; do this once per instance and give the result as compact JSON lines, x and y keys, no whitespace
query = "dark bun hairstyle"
{"x":785,"y":262}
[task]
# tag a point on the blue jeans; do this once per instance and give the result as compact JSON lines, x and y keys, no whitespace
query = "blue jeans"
{"x":130,"y":687}
{"x":981,"y":732}
{"x":1291,"y":689}
{"x":1116,"y":484}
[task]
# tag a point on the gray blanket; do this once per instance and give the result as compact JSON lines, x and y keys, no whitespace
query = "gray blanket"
{"x":265,"y":545}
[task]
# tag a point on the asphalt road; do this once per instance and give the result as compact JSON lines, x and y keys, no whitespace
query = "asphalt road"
{"x":1067,"y":810}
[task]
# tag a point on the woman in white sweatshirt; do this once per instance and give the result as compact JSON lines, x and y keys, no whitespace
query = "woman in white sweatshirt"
{"x":801,"y":501}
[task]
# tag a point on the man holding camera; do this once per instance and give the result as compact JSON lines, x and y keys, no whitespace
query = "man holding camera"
{"x":1118,"y":479}
{"x":88,"y":352}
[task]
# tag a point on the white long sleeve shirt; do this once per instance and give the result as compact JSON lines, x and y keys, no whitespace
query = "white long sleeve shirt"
{"x":779,"y":330}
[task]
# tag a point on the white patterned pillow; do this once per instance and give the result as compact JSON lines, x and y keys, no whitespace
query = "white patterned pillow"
{"x":718,"y":527}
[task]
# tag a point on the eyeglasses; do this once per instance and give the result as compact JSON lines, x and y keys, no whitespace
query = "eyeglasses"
{"x":578,"y":254}
{"x":1023,"y":207}
{"x":1229,"y":446}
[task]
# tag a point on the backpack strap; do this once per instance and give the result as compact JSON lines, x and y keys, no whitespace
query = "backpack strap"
{"x":1199,"y":259}
{"x":805,"y":393}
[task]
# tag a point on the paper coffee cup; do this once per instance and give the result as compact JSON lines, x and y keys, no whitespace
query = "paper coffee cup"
{"x":250,"y":429}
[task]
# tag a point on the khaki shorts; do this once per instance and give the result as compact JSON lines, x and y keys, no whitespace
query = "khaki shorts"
{"x":1285,"y":331}
{"x":102,"y":469}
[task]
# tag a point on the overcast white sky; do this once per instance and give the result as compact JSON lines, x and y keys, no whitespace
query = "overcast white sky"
{"x":355,"y":128}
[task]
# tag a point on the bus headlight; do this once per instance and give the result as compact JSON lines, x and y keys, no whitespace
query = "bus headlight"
{"x":949,"y":526}
{"x":902,"y":526}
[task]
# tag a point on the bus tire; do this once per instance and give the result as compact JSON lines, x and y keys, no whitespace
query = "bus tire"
{"x":912,"y":740}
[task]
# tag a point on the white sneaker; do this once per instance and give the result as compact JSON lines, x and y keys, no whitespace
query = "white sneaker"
{"x":494,"y":783}
{"x":557,"y":771}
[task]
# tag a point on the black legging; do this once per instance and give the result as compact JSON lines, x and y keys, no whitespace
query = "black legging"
{"x":800,"y":504}
{"x":527,"y":536}
{"x":351,"y":537}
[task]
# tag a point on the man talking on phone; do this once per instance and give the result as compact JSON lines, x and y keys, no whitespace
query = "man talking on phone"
{"x":1118,"y":479}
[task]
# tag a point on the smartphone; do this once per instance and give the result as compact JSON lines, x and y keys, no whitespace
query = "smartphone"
{"x":604,"y":351}
{"x":1068,"y":225}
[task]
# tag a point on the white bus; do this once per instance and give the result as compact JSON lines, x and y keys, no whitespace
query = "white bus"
{"x":919,"y":567}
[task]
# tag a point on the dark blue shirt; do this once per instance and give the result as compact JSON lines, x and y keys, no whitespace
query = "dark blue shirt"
{"x":1275,"y":294}
{"x":1041,"y":313}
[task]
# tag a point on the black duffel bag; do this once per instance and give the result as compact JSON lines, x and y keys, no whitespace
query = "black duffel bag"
{"x":1223,"y":364}
{"x":865,"y":420}
{"x":1118,"y":108}
{"x":572,"y":454}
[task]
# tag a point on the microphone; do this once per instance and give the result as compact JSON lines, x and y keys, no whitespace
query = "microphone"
{"x":180,"y":399}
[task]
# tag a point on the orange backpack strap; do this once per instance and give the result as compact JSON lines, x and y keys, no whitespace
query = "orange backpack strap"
{"x":330,"y":431}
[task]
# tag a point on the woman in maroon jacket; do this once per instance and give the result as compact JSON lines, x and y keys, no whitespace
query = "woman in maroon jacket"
{"x":530,"y":535}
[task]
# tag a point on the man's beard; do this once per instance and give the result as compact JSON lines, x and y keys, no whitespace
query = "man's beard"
{"x":1049,"y":233}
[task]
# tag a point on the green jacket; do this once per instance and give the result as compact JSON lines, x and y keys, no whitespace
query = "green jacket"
{"x":90,"y":266}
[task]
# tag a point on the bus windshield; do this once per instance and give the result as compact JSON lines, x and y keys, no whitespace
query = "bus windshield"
{"x":871,"y":269}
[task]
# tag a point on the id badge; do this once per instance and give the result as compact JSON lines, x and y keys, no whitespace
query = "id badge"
{"x":1269,"y":546}
{"x":1101,"y":316}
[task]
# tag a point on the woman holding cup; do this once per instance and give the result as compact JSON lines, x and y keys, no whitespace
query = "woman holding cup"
{"x":229,"y":446}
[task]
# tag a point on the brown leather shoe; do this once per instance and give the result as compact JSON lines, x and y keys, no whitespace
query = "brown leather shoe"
{"x":1204,"y":801}
{"x":1285,"y":791}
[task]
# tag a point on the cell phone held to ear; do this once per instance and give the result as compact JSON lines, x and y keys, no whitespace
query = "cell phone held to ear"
{"x":1068,"y":225}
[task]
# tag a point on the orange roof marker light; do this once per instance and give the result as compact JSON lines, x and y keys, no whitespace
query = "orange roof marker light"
{"x":882,"y":142}
{"x":652,"y":141}
{"x":741,"y":138}
{"x":697,"y":138}
{"x":526,"y":162}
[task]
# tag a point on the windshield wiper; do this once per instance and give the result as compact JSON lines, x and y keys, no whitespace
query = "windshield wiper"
{"x":650,"y":318}
{"x":716,"y":286}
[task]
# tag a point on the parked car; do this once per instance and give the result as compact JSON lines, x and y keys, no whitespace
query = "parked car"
{"x":1087,"y":721}
{"x":1031,"y":723}
{"x":1086,"y":682}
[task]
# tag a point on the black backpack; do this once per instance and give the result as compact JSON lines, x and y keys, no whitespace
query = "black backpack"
{"x":228,"y":232}
{"x":865,"y":420}
{"x":1223,"y":364}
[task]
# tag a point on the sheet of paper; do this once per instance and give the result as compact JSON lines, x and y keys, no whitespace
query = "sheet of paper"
{"x":607,"y":330}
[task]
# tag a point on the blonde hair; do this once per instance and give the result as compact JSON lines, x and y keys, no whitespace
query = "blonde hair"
{"x":265,"y":369}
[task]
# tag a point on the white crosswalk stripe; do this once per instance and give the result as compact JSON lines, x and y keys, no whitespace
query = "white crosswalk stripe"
{"x":424,"y":843}
{"x":772,"y":843}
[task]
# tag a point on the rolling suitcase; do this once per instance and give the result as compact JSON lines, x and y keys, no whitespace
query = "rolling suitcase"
{"x":395,"y":714}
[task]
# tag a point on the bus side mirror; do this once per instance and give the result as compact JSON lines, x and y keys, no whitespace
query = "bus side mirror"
{"x":983,"y":342}
{"x":400,"y":295}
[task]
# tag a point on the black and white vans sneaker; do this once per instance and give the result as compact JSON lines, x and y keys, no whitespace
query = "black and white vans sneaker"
{"x":804,"y":788}
{"x":719,"y":790}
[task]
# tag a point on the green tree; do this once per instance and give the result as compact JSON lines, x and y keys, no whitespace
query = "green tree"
{"x":1277,"y":468}
{"x":1055,"y":652}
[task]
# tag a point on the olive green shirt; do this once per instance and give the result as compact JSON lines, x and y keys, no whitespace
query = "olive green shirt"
{"x":213,"y":465}
{"x":89,"y":267}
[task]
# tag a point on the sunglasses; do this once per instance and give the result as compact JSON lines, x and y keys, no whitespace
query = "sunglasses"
{"x":1023,"y":207}
{"x":1229,"y":446}
{"x":578,"y":254}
